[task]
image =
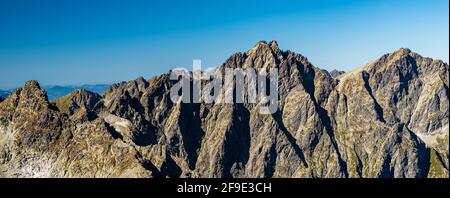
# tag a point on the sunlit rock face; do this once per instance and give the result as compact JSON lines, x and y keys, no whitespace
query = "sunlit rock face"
{"x":388,"y":118}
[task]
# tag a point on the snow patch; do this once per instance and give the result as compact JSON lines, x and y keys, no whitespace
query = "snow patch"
{"x":431,"y":139}
{"x":120,"y":124}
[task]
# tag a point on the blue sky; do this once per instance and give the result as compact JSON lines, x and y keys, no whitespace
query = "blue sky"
{"x":86,"y":42}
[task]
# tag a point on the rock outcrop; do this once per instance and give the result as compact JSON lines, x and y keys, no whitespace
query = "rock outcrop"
{"x":388,"y":118}
{"x":37,"y":140}
{"x":335,"y":73}
{"x":80,"y":99}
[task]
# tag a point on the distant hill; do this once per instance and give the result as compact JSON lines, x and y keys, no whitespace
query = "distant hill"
{"x":56,"y":91}
{"x":4,"y":94}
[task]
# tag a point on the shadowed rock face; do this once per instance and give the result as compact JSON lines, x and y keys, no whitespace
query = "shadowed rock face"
{"x":336,"y":73}
{"x":388,"y":118}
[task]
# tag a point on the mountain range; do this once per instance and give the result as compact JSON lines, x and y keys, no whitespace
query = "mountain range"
{"x":56,"y":91}
{"x":388,"y":118}
{"x":4,"y":94}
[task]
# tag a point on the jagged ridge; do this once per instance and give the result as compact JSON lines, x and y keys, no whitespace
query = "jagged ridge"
{"x":386,"y":119}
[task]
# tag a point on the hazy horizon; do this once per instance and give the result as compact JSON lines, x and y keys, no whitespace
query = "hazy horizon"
{"x":103,"y":42}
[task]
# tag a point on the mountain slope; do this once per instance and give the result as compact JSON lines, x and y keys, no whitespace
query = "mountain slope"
{"x":386,"y":119}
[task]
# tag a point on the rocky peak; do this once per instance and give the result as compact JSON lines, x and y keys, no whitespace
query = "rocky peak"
{"x":135,"y":89}
{"x":32,"y":97}
{"x":32,"y":85}
{"x":141,"y":83}
{"x":274,"y":45}
{"x":86,"y":98}
{"x":260,"y":47}
{"x":29,"y":110}
{"x":79,"y":99}
{"x":264,"y":55}
{"x":335,"y":73}
{"x":405,"y":64}
{"x":390,"y":59}
{"x":265,"y":47}
{"x":402,"y":52}
{"x":32,"y":89}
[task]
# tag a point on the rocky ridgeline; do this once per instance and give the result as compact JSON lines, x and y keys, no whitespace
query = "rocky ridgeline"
{"x":388,"y":118}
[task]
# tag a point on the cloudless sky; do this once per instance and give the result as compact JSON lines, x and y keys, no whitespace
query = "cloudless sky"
{"x":94,"y":41}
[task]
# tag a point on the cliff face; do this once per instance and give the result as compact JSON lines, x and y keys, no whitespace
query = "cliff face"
{"x":386,"y":119}
{"x":39,"y":141}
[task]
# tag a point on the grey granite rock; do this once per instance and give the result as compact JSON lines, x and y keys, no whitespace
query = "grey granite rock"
{"x":388,"y":118}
